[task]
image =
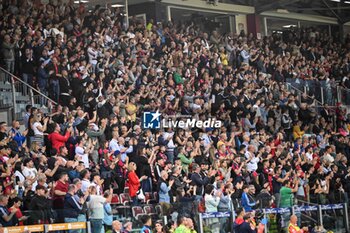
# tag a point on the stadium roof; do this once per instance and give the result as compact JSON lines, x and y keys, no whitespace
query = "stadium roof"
{"x":339,"y":9}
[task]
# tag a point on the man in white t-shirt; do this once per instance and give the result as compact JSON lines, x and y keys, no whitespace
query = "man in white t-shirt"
{"x":96,"y":209}
{"x":85,"y":182}
{"x":80,"y":152}
{"x":29,"y":171}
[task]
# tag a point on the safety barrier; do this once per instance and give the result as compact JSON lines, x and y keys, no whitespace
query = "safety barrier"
{"x":49,"y":227}
{"x":333,"y":211}
{"x":224,"y":218}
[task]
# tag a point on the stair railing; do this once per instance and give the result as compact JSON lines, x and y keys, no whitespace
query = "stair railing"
{"x":18,"y":85}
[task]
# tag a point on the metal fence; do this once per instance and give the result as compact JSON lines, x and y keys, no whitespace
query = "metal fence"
{"x":333,"y":217}
{"x":324,"y":92}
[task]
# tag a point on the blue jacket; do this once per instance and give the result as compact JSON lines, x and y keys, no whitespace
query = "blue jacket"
{"x":71,"y":207}
{"x":18,"y":137}
{"x":164,"y":192}
{"x":246,"y":203}
{"x":108,"y":217}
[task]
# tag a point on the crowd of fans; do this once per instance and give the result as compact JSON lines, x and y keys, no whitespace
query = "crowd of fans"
{"x":274,"y":147}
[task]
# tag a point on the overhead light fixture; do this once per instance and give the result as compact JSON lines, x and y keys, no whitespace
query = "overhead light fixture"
{"x":347,"y":2}
{"x":335,"y":0}
{"x":289,"y":26}
{"x":81,"y":1}
{"x":117,"y":5}
{"x":284,"y":11}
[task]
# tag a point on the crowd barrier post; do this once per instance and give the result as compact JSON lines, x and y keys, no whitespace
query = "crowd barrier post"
{"x":319,"y":210}
{"x":165,"y":220}
{"x":233,"y":213}
{"x":13,"y":87}
{"x":293,"y":209}
{"x":322,"y":96}
{"x":200,"y":223}
{"x":88,"y":227}
{"x":265,"y":216}
{"x":346,"y":216}
{"x":31,"y":96}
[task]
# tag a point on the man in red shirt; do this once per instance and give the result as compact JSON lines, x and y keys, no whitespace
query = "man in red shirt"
{"x":60,"y":191}
{"x":57,"y":139}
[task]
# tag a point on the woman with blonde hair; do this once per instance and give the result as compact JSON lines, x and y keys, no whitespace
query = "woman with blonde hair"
{"x":134,"y":182}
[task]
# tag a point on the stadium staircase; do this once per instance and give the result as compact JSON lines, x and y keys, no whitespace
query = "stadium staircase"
{"x":16,"y":94}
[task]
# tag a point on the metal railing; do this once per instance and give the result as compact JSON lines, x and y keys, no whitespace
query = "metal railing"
{"x":324,"y":92}
{"x":21,"y":94}
{"x":343,"y":95}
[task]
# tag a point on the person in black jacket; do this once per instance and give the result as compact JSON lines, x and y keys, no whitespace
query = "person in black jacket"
{"x":72,"y":207}
{"x":65,"y":88}
{"x":28,"y":66}
{"x":199,"y":181}
{"x":41,"y":206}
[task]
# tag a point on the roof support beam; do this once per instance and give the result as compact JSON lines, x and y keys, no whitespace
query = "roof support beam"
{"x":320,"y":8}
{"x":274,"y":5}
{"x":333,"y":12}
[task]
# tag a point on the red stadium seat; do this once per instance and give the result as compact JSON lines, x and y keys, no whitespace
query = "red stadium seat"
{"x":137,"y":212}
{"x":149,"y":198}
{"x":158,"y":209}
{"x":125,"y":198}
